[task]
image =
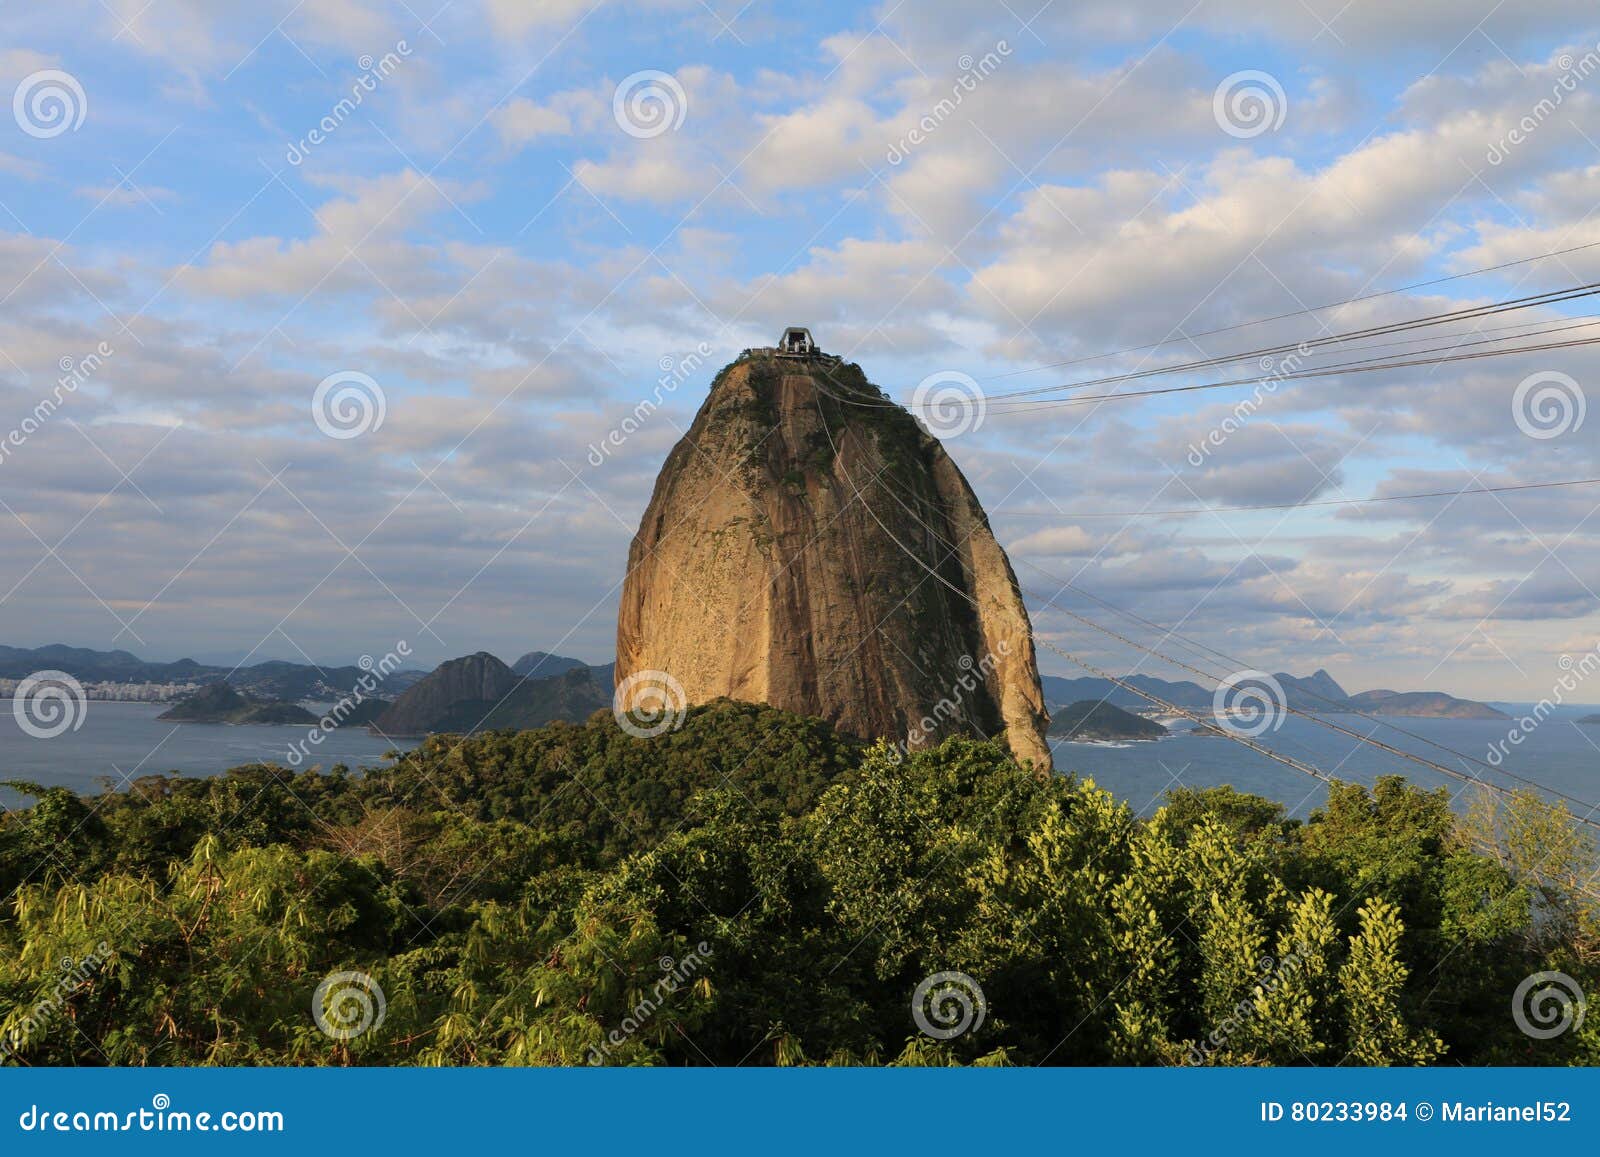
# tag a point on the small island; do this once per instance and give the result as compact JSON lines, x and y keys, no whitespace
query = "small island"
{"x":220,"y":703}
{"x":1095,"y":721}
{"x":1591,"y":719}
{"x":1423,"y":704}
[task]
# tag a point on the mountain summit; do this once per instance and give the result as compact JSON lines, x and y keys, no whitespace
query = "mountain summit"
{"x":810,"y":546}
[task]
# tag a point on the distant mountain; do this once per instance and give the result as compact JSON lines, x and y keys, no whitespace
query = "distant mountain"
{"x":480,"y":693}
{"x":96,"y":666}
{"x":542,"y":664}
{"x":24,"y":661}
{"x":572,"y":696}
{"x":275,"y":679}
{"x":278,"y":680}
{"x":1318,"y":692}
{"x":1089,"y":719}
{"x":1424,"y":703}
{"x":479,"y":680}
{"x":220,"y":703}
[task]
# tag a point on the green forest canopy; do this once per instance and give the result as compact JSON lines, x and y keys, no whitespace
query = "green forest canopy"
{"x":756,"y":889}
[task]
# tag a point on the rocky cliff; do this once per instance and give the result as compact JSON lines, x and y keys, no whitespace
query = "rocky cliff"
{"x":808,"y":545}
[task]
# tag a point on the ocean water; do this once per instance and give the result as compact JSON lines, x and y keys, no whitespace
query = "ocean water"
{"x":119,"y":740}
{"x":1558,"y":753}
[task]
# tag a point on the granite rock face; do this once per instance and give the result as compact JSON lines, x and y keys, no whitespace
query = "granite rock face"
{"x":808,"y":545}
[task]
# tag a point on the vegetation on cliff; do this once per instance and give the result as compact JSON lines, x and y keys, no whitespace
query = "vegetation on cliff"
{"x":521,"y":898}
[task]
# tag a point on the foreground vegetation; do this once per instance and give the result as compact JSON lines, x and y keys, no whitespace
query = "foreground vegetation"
{"x":756,"y":889}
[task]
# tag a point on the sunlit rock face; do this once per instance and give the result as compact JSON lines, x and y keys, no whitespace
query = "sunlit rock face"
{"x":810,"y":546}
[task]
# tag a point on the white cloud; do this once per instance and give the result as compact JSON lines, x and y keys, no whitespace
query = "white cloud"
{"x":16,"y":63}
{"x":522,"y":122}
{"x":358,"y":244}
{"x":20,"y":167}
{"x":519,"y":18}
{"x":1055,"y":541}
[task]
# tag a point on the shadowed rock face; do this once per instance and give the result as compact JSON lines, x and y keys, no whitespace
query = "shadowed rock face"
{"x":472,"y":679}
{"x":785,"y":558}
{"x":480,"y":693}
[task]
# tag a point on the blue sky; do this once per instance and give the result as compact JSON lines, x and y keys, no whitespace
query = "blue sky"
{"x":485,"y":241}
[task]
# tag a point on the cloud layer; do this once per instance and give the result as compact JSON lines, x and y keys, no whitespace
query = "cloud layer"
{"x":459,"y":207}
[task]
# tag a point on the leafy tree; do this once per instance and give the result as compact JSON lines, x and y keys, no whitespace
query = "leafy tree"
{"x":1373,"y":979}
{"x":755,"y":889}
